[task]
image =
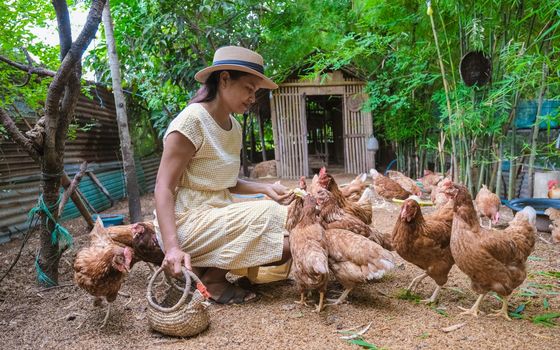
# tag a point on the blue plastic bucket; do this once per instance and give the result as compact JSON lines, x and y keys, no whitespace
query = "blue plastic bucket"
{"x":109,"y":219}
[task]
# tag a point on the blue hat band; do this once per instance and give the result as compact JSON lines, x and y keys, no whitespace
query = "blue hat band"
{"x":255,"y":66}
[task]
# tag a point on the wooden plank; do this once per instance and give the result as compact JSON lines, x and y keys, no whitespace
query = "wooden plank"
{"x":282,"y":134}
{"x":326,"y":84}
{"x":347,"y":159}
{"x":101,"y":187}
{"x":285,"y":130}
{"x":293,"y":132}
{"x":305,"y":133}
{"x":352,"y":148}
{"x":322,"y":90}
{"x":300,"y":139}
{"x":288,"y":131}
{"x":275,"y":135}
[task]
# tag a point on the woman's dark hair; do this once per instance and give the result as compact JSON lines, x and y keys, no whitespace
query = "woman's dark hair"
{"x":209,"y":89}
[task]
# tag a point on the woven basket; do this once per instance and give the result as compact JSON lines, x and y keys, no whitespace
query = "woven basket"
{"x":182,"y":312}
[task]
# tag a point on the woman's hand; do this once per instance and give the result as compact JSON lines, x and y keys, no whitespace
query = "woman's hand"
{"x":174,"y":261}
{"x":280,"y":193}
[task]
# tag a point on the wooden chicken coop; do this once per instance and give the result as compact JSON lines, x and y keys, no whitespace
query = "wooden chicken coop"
{"x":321,"y":123}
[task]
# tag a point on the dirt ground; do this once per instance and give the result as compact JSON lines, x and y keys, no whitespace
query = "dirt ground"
{"x":65,"y":318}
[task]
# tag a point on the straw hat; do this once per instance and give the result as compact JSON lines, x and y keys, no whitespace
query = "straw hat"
{"x":237,"y":58}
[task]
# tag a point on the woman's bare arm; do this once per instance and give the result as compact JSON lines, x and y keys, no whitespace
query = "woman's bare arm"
{"x":277,"y":192}
{"x":249,"y":187}
{"x":177,"y":153}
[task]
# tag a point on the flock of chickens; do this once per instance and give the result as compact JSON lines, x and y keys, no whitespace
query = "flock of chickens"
{"x":331,"y":234}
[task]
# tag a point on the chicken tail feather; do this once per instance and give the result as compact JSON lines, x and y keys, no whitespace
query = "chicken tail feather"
{"x":529,"y":213}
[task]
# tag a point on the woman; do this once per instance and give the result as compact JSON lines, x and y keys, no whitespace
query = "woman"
{"x":196,"y":221}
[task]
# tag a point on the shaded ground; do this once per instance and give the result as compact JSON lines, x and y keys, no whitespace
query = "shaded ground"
{"x":65,"y":318}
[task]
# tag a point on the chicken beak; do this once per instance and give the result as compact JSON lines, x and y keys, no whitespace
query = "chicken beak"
{"x":403,"y":213}
{"x":135,"y":230}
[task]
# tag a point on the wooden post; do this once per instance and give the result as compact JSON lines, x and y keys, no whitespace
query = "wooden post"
{"x":252,"y":138}
{"x":129,"y":168}
{"x":261,"y":135}
{"x":244,"y":147}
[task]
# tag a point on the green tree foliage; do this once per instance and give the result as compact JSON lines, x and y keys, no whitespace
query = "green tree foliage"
{"x":407,"y":98}
{"x":18,"y":19}
{"x":164,"y":43}
{"x":390,"y":43}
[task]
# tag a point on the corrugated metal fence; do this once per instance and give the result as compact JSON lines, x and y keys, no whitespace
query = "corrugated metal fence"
{"x":96,"y":141}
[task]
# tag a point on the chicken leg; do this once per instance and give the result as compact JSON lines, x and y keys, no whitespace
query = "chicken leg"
{"x":106,"y":315}
{"x":503,"y":312}
{"x":321,"y":302}
{"x":434,"y":296}
{"x":302,"y":300}
{"x":474,"y":310}
{"x":98,"y":301}
{"x":414,"y":284}
{"x":341,"y":298}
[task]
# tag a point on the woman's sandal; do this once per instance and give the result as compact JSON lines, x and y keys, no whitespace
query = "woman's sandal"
{"x":246,"y":284}
{"x":235,"y":295}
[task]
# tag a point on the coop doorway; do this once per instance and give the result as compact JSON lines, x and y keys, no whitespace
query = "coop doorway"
{"x":325,"y":142}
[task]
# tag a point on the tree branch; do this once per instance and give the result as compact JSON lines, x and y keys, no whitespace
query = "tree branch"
{"x":17,"y":136}
{"x":73,"y":56}
{"x":69,"y":102}
{"x":67,"y":71}
{"x":28,"y":56}
{"x":28,"y":68}
{"x":73,"y":185}
{"x":64,"y":29}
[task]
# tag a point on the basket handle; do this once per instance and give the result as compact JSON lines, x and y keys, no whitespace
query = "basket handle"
{"x":199,"y":285}
{"x":181,"y":301}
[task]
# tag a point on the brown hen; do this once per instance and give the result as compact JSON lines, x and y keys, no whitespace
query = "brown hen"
{"x":438,"y":196}
{"x":430,"y":180}
{"x":386,"y":187}
{"x":494,"y":260}
{"x":145,"y":243}
{"x":334,"y":217}
{"x":361,"y":209}
{"x":406,"y":182}
{"x":424,"y":242}
{"x":309,"y":253}
{"x":101,"y":268}
{"x":488,"y":206}
{"x":355,"y":188}
{"x":353,"y":258}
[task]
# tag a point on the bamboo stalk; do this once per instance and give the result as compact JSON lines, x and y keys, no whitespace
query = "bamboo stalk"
{"x":535,"y":132}
{"x":499,"y":170}
{"x":454,"y":167}
{"x":512,"y":163}
{"x":481,"y":167}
